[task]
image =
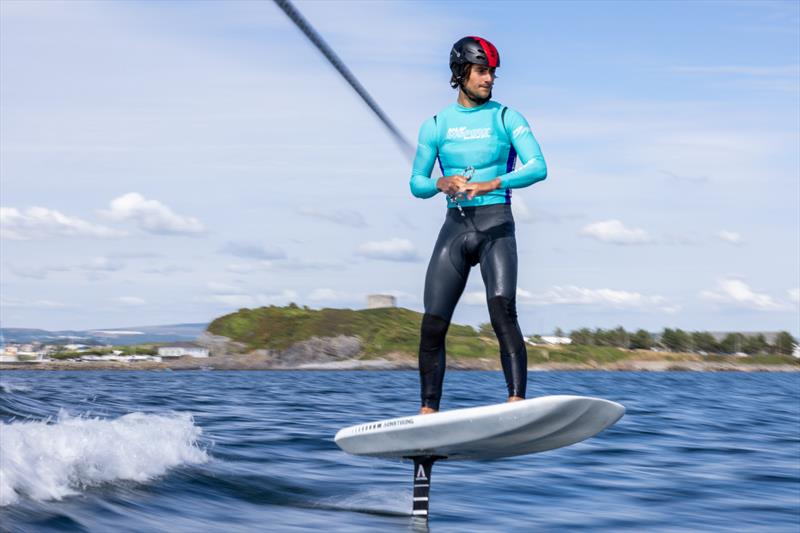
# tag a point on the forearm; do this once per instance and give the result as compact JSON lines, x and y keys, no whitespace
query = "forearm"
{"x":423,"y":186}
{"x":532,"y":171}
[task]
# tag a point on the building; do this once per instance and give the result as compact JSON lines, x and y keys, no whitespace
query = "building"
{"x":179,"y":349}
{"x":548,"y":339}
{"x":121,"y":358}
{"x":378,"y":301}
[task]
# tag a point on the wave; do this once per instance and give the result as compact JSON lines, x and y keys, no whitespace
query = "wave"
{"x":48,"y":460}
{"x":8,"y":387}
{"x":373,"y":501}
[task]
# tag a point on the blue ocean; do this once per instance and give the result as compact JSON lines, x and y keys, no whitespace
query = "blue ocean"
{"x":253,"y":451}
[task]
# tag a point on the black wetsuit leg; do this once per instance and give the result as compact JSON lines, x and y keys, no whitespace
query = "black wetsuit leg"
{"x":485,"y":235}
{"x":499,"y":272}
{"x":444,"y":283}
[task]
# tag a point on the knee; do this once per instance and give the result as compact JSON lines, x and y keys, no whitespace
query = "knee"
{"x":433,"y":331}
{"x":502,"y":309}
{"x":503,"y":315}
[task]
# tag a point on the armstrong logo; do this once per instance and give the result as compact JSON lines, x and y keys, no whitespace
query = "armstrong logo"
{"x":522,"y":130}
{"x":465,"y":135}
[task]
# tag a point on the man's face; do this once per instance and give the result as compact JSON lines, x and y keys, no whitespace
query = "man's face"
{"x":478,"y":86}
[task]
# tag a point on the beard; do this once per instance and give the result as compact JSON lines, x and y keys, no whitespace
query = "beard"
{"x":477,"y":99}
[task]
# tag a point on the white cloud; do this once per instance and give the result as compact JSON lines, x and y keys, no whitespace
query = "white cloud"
{"x":474,"y":298}
{"x":737,"y":292}
{"x":686,"y":178}
{"x":166,"y":270}
{"x":43,"y":223}
{"x":572,"y":295}
{"x":224,"y":288}
{"x":234,"y":300}
{"x":794,"y":295}
{"x":33,"y":304}
{"x":302,"y":264}
{"x":331,"y":295}
{"x":403,"y":298}
{"x":37,"y":271}
{"x":152,"y":216}
{"x":255,"y":300}
{"x":325,"y":294}
{"x":615,"y":232}
{"x":132,"y":301}
{"x":247,"y":268}
{"x":343,"y":217}
{"x":283,"y":264}
{"x":103,"y":264}
{"x":730,"y":236}
{"x":520,"y":209}
{"x":252,"y":251}
{"x":390,"y":250}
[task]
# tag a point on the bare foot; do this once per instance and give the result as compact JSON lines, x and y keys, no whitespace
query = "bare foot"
{"x":426,"y":410}
{"x":515,"y":398}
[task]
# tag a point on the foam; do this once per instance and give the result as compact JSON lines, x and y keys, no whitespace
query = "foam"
{"x":372,"y":501}
{"x":48,"y":460}
{"x":9,"y":387}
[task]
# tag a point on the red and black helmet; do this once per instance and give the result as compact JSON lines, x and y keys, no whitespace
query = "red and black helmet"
{"x":474,"y":50}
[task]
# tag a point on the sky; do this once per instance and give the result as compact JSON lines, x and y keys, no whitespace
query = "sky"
{"x":171,"y":162}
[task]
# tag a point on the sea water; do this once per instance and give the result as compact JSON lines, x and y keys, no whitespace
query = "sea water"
{"x":254,"y":451}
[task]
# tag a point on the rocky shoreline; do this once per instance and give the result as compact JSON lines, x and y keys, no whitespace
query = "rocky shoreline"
{"x":345,"y":353}
{"x":261,"y":362}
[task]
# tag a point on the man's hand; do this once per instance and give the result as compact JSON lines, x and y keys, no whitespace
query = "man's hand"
{"x":481,"y":187}
{"x":451,"y":185}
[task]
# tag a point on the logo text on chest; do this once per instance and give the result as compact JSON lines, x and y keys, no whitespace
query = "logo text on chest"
{"x":467,"y":134}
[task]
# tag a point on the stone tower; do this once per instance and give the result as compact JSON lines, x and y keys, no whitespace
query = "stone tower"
{"x":376,"y":301}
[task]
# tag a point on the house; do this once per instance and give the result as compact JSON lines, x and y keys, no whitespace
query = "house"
{"x":547,"y":339}
{"x":179,"y":349}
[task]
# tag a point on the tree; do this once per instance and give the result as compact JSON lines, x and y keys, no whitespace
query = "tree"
{"x":558,"y":333}
{"x":732,"y":343}
{"x":705,"y":342}
{"x":675,"y":340}
{"x":582,"y":336}
{"x":619,"y":337}
{"x":641,"y":340}
{"x":486,"y":329}
{"x":602,"y":337}
{"x":784,"y":343}
{"x":755,"y":344}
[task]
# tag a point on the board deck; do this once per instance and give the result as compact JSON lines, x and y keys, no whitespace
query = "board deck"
{"x":486,"y":432}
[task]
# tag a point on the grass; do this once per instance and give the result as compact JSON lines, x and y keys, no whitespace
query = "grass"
{"x":571,"y":353}
{"x":381,"y":331}
{"x":395,"y":329}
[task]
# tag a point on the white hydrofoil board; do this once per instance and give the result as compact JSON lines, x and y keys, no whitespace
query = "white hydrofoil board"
{"x":487,"y":432}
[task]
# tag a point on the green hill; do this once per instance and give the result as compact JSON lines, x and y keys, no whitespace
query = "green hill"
{"x":396,"y":330}
{"x":381,"y":331}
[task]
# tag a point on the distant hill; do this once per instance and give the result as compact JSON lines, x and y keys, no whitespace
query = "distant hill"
{"x":382,"y":331}
{"x":115,"y":336}
{"x":395,"y":330}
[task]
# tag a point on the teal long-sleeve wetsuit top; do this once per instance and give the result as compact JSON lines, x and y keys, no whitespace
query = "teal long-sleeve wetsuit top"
{"x":488,"y":138}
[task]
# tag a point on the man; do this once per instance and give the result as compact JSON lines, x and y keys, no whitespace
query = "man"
{"x":476,"y":142}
